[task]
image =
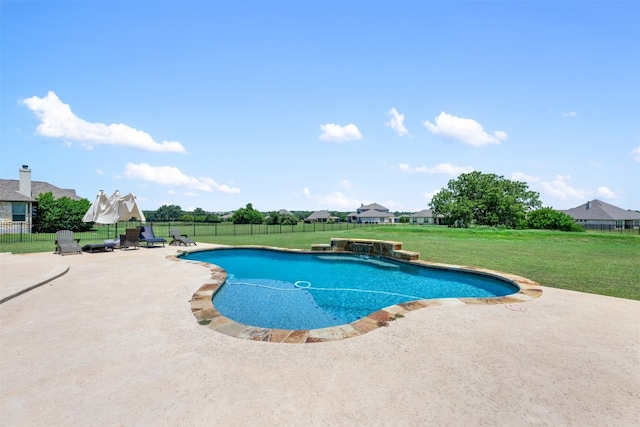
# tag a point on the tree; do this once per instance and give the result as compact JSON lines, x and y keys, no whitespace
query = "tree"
{"x":60,"y":214}
{"x":288,"y":219}
{"x":484,"y":199}
{"x":273,"y":218}
{"x":247,"y":215}
{"x":168,"y":213}
{"x":213,"y":218}
{"x":549,"y":219}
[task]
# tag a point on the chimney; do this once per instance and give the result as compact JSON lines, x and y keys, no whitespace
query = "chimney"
{"x":588,"y":205}
{"x":25,"y":181}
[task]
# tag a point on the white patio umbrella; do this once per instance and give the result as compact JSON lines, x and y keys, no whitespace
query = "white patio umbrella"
{"x":101,"y":211}
{"x":113,"y":209}
{"x":126,"y":207}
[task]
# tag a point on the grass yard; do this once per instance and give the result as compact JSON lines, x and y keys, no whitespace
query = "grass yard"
{"x":599,"y":263}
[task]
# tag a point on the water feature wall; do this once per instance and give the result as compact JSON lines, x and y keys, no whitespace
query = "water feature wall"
{"x":368,"y":247}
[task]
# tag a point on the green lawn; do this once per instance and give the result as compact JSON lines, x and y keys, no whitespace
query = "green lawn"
{"x":600,"y":263}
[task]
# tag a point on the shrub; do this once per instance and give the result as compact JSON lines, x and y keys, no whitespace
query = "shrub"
{"x":60,"y":214}
{"x":550,"y":219}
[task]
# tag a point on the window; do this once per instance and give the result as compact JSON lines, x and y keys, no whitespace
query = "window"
{"x":18,"y":211}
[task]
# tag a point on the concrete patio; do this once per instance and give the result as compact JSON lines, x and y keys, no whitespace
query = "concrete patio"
{"x":112,"y":341}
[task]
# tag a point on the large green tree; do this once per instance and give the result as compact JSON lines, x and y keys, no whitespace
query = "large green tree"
{"x":168,"y":213}
{"x":477,"y":198}
{"x":247,"y":215}
{"x":60,"y":214}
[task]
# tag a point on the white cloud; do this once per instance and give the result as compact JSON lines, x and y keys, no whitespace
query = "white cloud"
{"x":559,"y":189}
{"x":635,"y":154}
{"x":345,"y":183}
{"x":337,"y":133}
{"x":465,"y":130}
{"x":523,"y":177}
{"x":569,"y":114}
{"x":429,"y":195}
{"x":605,"y":193}
{"x":169,"y":175}
{"x":441,"y":169}
{"x":335,"y":200}
{"x":397,"y":122}
{"x":99,"y":171}
{"x":58,"y":121}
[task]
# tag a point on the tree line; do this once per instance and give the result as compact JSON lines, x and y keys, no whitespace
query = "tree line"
{"x":472,"y":199}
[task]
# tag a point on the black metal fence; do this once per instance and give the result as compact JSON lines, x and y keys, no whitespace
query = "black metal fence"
{"x":20,"y":233}
{"x":611,"y":228}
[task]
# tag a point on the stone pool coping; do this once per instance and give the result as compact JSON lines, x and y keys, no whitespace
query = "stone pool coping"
{"x":207,"y":315}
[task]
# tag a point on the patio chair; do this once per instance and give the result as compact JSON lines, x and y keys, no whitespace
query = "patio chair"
{"x":180,"y":239}
{"x":66,"y":243}
{"x":131,"y":239}
{"x":148,"y":236}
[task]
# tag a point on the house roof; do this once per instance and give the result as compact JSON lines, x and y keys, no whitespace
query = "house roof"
{"x":324,"y":214}
{"x":425,"y":213}
{"x":372,"y":213}
{"x":9,"y":191}
{"x":372,"y":206}
{"x":599,"y":210}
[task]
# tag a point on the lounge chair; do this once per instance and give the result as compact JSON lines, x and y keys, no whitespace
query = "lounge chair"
{"x":148,"y":236}
{"x":131,"y":239}
{"x":66,"y":243}
{"x":180,"y":239}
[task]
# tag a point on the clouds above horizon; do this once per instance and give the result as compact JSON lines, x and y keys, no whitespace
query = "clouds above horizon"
{"x":58,"y":121}
{"x":333,"y":200}
{"x":172,"y":176}
{"x":559,"y":189}
{"x":635,"y":154}
{"x":464,"y":130}
{"x":397,"y":122}
{"x":337,"y":133}
{"x":440,"y":169}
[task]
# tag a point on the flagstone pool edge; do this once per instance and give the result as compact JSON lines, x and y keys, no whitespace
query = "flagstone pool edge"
{"x":206,"y":314}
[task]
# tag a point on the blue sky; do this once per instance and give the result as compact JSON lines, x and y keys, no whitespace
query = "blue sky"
{"x":313,"y":105}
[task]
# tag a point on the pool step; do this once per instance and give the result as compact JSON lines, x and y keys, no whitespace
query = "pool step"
{"x":321,"y":247}
{"x":406,"y":255}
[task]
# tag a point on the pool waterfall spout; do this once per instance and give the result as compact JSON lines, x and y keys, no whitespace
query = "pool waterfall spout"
{"x":362,"y":248}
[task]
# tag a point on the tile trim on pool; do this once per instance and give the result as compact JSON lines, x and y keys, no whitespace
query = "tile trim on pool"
{"x":207,"y":315}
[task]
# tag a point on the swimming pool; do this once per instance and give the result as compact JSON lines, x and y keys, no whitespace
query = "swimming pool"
{"x":275,"y":289}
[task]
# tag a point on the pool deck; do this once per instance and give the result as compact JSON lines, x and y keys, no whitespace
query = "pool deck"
{"x":109,"y":339}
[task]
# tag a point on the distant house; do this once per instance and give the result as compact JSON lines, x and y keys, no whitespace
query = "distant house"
{"x":371,"y":214}
{"x":282,"y":213}
{"x":597,"y":214}
{"x":425,"y":216}
{"x":321,"y":216}
{"x":18,"y":200}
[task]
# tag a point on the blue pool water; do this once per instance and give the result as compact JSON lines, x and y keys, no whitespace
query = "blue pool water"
{"x":286,"y":290}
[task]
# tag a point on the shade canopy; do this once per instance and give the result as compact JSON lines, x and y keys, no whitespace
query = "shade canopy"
{"x":110,"y":210}
{"x":127,"y":207}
